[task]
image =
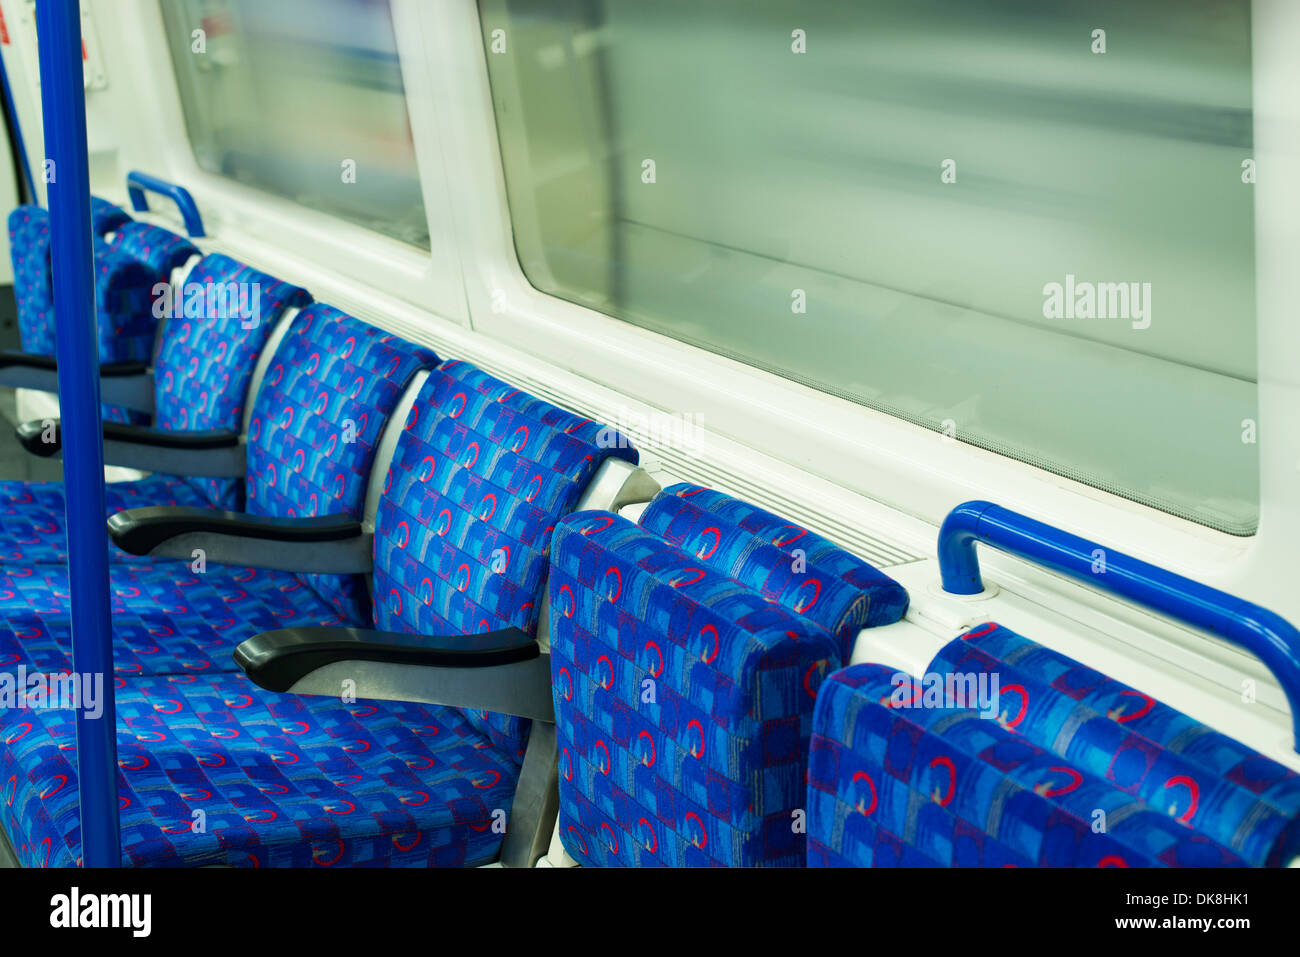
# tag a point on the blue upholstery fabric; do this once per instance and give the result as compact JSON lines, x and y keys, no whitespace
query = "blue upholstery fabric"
{"x":106,"y":217}
{"x":783,"y":561}
{"x":166,"y":617}
{"x":288,"y":780}
{"x":124,"y":315}
{"x":128,"y":317}
{"x":1207,"y":781}
{"x":317,"y":419}
{"x":683,"y":704}
{"x":891,"y":785}
{"x":159,"y":249}
{"x":33,"y":526}
{"x":124,"y":304}
{"x":213,"y":770}
{"x":202,"y":370}
{"x":480,"y":477}
{"x":206,"y":358}
{"x":1066,"y":734}
{"x":29,"y":249}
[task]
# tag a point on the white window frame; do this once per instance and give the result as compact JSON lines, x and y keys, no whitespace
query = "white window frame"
{"x":270,"y":229}
{"x":875,"y":455}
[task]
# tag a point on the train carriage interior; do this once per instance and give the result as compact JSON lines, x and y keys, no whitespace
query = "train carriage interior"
{"x":604,"y":433}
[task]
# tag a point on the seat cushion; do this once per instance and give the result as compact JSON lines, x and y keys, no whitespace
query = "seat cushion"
{"x":894,"y":778}
{"x":33,"y":524}
{"x":166,"y":618}
{"x":213,"y":770}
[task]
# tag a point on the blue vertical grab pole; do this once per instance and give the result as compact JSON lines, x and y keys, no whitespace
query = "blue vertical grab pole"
{"x":63,"y":106}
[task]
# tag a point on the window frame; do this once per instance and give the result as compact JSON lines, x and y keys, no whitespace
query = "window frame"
{"x":887,"y":460}
{"x":278,"y":226}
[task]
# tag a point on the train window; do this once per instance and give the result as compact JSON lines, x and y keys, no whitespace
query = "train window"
{"x":303,"y":99}
{"x":1025,"y":226}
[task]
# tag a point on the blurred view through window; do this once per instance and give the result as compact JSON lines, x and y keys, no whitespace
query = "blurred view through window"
{"x":281,"y":94}
{"x":981,"y":216}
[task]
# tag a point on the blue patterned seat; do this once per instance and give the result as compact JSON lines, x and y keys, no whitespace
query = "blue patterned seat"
{"x":891,"y":783}
{"x":166,"y":618}
{"x":128,"y":323}
{"x":128,"y":269}
{"x":202,"y":372}
{"x":159,"y":249}
{"x":686,"y":654}
{"x":106,"y":217}
{"x":784,"y":562}
{"x":481,"y":477}
{"x":29,"y":249}
{"x":328,"y":393}
{"x":323,"y":405}
{"x":212,"y":769}
{"x":32,"y":519}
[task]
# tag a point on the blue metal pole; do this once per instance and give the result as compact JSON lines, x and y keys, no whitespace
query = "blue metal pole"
{"x":63,"y":105}
{"x":1263,"y":633}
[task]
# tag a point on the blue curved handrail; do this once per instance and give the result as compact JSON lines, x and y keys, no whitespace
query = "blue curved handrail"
{"x":136,"y":184}
{"x":1266,"y":635}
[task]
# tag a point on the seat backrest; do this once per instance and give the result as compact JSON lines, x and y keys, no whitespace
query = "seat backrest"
{"x":105,"y":217}
{"x":128,"y":320}
{"x":481,"y":475}
{"x":124,"y":291}
{"x":686,"y":653}
{"x":320,"y":412}
{"x":785,"y":562}
{"x":225,"y":313}
{"x":159,"y":249}
{"x":896,"y":779}
{"x":1211,"y":783}
{"x":683,"y":703}
{"x":29,"y":249}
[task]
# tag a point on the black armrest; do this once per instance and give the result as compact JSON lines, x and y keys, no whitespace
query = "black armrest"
{"x":44,"y":437}
{"x":127,"y":384}
{"x":140,"y":530}
{"x":12,"y":359}
{"x":500,"y":671}
{"x":170,"y":438}
{"x":277,"y":660}
{"x":214,"y":453}
{"x":40,"y":437}
{"x":332,"y":544}
{"x":114,"y":370}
